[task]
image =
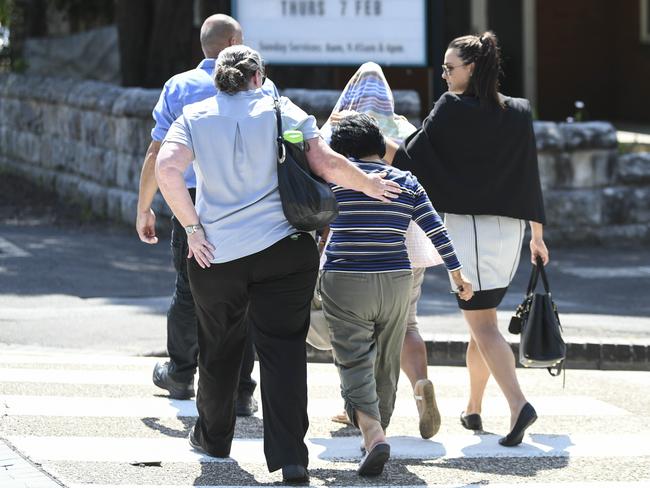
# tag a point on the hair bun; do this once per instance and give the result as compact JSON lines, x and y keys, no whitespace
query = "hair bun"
{"x":236,"y":66}
{"x":229,"y":79}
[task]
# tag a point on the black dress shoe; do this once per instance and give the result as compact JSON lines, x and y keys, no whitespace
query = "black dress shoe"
{"x":472,"y":421}
{"x":526,"y":418}
{"x":179,"y":390}
{"x":194,"y":443}
{"x":245,"y":406}
{"x":373,"y":462}
{"x":295,"y":474}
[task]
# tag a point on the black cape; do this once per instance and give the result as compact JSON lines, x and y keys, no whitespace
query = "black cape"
{"x":475,"y":160}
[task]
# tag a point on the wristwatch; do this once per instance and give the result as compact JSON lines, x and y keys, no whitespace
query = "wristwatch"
{"x":191,"y":229}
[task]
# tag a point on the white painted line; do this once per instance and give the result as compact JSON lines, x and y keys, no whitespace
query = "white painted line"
{"x":75,"y":377}
{"x":9,"y":250}
{"x":579,"y":484}
{"x":7,"y":358}
{"x":318,"y":374}
{"x":54,"y":406}
{"x":162,"y":407}
{"x":603,"y":272}
{"x":129,"y":450}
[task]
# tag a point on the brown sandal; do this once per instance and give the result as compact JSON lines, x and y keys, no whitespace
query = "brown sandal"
{"x":425,"y":399}
{"x":341,"y":418}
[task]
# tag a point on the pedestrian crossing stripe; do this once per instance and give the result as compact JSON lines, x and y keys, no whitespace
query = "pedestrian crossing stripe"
{"x":584,"y":484}
{"x":34,"y":373}
{"x":146,"y":450}
{"x":9,"y":357}
{"x":163,"y":407}
{"x":74,"y":377}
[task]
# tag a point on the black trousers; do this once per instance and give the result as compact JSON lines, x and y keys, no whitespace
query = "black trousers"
{"x":275,"y":286}
{"x":182,"y":341}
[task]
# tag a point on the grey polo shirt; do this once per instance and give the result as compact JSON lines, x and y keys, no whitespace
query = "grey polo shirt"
{"x":233,"y":138}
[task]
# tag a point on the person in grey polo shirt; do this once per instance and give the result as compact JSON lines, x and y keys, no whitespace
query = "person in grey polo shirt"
{"x":246,"y":257}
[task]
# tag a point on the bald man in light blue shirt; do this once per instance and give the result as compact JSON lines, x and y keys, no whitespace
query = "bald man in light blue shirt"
{"x":177,"y":375}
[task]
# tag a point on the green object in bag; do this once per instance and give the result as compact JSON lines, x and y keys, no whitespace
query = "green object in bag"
{"x":293,"y":136}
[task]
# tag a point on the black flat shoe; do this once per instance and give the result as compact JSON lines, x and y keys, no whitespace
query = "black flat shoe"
{"x":373,"y":462}
{"x":195,"y":443}
{"x":472,"y":421}
{"x":295,"y":474}
{"x":526,"y":418}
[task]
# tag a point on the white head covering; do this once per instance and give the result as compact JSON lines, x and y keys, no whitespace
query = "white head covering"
{"x":368,"y":92}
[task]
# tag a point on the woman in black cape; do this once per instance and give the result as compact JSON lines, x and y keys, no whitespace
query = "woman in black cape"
{"x":476,"y":157}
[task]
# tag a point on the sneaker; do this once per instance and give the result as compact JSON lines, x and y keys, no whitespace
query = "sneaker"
{"x":245,"y":406}
{"x":177,"y":390}
{"x":295,"y":474}
{"x":425,"y":399}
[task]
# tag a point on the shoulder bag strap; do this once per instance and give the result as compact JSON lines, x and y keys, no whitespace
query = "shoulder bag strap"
{"x":278,"y":117}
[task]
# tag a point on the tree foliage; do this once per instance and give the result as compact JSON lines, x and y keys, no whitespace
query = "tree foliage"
{"x":5,"y":12}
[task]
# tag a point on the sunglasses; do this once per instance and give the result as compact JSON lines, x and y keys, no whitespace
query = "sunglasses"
{"x":447,"y":68}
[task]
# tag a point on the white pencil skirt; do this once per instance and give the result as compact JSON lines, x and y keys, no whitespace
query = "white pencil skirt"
{"x":488,"y":247}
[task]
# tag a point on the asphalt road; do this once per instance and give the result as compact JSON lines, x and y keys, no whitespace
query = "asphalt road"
{"x":70,"y":281}
{"x":94,"y":285}
{"x":94,"y":419}
{"x":74,"y":292}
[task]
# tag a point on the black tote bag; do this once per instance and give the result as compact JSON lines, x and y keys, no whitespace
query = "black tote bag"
{"x":537,"y":320}
{"x":308,"y":202}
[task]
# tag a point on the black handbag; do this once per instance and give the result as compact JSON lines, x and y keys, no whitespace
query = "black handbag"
{"x":308,"y":202}
{"x":537,"y":319}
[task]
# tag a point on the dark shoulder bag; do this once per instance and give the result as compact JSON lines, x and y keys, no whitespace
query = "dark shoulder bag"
{"x":537,"y":320}
{"x":307,"y":201}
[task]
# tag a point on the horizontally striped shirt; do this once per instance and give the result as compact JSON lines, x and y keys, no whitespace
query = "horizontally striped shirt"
{"x":368,"y":235}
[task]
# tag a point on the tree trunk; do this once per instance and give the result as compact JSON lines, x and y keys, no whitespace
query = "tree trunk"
{"x":158,"y":38}
{"x":170,"y":44}
{"x":211,"y":7}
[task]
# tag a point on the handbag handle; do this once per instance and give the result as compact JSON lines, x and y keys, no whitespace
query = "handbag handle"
{"x":282,"y":150}
{"x":534,"y":275}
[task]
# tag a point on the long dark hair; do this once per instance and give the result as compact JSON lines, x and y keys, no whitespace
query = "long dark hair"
{"x":484,"y":52}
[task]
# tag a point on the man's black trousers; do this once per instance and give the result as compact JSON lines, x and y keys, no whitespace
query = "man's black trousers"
{"x":276,"y":287}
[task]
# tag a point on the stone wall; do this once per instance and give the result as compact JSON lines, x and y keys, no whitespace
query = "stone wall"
{"x":84,"y":139}
{"x":592,"y":194}
{"x":87,"y":141}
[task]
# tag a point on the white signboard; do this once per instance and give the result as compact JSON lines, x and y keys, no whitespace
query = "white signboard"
{"x":389,"y":32}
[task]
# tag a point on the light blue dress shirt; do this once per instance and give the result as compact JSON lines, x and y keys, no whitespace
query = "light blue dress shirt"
{"x":184,"y":89}
{"x":233,"y":139}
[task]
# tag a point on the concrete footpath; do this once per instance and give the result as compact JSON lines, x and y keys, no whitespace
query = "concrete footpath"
{"x":94,"y":286}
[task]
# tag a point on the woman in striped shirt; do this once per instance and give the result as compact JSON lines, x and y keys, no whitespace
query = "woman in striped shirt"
{"x":367,"y":280}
